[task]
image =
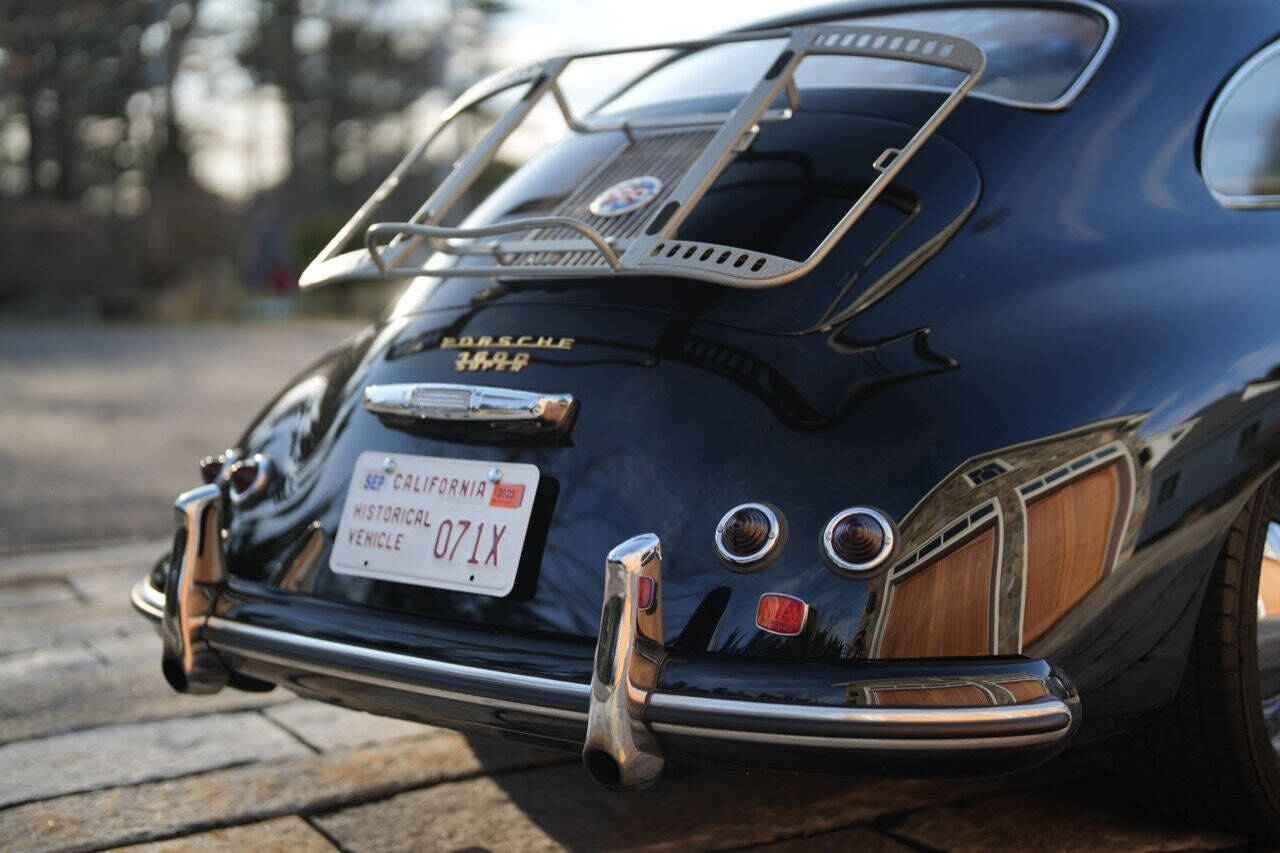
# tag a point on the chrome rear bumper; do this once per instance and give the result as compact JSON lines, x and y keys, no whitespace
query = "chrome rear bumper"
{"x":1041,"y":722}
{"x":642,"y":708}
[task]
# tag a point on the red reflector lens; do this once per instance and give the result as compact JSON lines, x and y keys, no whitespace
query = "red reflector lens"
{"x":646,"y":593}
{"x":243,"y":476}
{"x":781,"y":614}
{"x":210,"y":468}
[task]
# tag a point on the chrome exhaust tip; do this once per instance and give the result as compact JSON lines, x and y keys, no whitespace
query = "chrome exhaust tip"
{"x":621,"y":753}
{"x":196,"y":574}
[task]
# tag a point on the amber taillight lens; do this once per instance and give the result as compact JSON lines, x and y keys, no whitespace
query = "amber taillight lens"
{"x":746,"y":533}
{"x":750,"y":535}
{"x":857,"y":538}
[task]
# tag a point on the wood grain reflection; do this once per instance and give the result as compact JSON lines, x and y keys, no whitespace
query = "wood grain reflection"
{"x":1069,"y":532}
{"x":943,"y":609}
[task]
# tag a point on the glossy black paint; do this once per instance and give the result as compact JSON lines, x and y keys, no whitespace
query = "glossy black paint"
{"x":1054,"y":271}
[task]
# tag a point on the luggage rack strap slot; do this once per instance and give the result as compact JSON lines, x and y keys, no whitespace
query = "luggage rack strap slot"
{"x":656,"y":249}
{"x":439,"y":231}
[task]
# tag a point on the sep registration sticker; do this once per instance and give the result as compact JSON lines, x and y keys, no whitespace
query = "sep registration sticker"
{"x":449,"y":523}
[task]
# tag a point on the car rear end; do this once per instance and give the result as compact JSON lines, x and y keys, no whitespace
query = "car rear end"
{"x":603,"y":485}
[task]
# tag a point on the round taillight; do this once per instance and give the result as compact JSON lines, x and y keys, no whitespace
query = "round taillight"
{"x":243,"y":476}
{"x":211,"y":467}
{"x":858,"y":539}
{"x":749,"y":535}
{"x":250,"y":479}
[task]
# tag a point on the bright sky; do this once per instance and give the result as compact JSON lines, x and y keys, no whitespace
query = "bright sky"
{"x":250,"y":151}
{"x":536,"y":28}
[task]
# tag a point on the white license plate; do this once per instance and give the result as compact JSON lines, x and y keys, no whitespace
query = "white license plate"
{"x":435,"y":522}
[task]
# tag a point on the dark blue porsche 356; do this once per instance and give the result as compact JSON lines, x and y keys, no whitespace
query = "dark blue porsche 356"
{"x":884,"y":389}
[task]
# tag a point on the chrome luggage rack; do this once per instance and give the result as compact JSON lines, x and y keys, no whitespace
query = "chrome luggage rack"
{"x":656,"y":249}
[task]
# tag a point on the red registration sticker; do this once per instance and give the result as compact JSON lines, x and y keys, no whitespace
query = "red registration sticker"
{"x":507,"y":495}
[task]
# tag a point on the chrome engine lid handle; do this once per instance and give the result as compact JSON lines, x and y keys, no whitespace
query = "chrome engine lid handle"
{"x":426,"y":403}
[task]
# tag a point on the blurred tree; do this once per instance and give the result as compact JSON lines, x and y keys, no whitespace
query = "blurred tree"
{"x":85,"y":97}
{"x":111,"y":109}
{"x":347,"y":70}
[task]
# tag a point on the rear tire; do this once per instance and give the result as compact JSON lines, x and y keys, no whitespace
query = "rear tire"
{"x":1208,"y":757}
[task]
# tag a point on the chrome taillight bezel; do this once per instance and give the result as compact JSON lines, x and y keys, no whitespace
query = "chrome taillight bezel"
{"x":848,"y":568}
{"x":764,"y":555}
{"x":260,"y":485}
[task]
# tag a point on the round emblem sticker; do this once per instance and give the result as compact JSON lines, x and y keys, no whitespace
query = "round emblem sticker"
{"x":626,"y":196}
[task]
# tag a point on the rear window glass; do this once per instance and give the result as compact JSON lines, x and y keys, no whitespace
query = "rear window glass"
{"x":1034,"y":56}
{"x":1241,"y":154}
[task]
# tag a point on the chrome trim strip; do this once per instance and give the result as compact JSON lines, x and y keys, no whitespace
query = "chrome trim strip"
{"x":1234,"y":82}
{"x":447,"y":401}
{"x":867,"y":743}
{"x":1051,"y":717}
{"x":1110,"y":32}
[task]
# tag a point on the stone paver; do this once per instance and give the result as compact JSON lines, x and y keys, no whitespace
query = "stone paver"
{"x":137,"y":752}
{"x":61,"y":563}
{"x":282,"y":835}
{"x":37,"y":593}
{"x":106,"y":681}
{"x":329,"y":728}
{"x":44,"y":664}
{"x":857,"y":838}
{"x":253,"y":792}
{"x":44,"y":625}
{"x":560,"y":807}
{"x":1081,"y":816}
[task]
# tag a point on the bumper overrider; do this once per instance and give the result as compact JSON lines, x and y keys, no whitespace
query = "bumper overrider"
{"x":643,"y":705}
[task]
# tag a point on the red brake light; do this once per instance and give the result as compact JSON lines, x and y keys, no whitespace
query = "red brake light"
{"x":781,"y":614}
{"x":646,"y":593}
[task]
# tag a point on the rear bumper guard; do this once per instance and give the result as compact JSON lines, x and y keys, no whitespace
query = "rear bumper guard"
{"x":627,"y":725}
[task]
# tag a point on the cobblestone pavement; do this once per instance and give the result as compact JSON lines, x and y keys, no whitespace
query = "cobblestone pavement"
{"x":96,"y":752}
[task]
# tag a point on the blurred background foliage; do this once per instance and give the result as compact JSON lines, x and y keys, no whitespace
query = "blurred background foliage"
{"x":177,"y":159}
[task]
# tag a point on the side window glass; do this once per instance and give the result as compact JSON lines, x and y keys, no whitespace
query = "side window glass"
{"x":1240,"y":154}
